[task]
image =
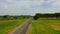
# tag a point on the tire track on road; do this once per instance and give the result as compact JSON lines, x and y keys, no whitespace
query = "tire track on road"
{"x":23,"y":29}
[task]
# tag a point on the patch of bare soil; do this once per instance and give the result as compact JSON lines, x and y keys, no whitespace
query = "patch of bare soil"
{"x":55,"y":27}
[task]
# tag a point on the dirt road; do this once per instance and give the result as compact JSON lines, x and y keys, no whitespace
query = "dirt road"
{"x":23,"y":29}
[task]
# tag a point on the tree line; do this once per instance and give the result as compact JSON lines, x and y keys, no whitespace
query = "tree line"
{"x":9,"y":17}
{"x":46,"y":15}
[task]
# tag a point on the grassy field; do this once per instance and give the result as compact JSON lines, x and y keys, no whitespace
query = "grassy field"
{"x":45,"y":26}
{"x":8,"y":25}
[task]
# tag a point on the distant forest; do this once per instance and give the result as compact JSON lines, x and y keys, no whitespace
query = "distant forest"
{"x":47,"y":15}
{"x":9,"y":17}
{"x":36,"y":16}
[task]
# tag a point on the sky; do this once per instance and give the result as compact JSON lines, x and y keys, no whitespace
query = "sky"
{"x":28,"y":7}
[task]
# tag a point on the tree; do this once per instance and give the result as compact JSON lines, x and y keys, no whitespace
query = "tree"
{"x":5,"y":17}
{"x":36,"y":16}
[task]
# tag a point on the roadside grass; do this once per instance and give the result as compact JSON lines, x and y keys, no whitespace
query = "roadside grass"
{"x":7,"y":25}
{"x":45,"y":26}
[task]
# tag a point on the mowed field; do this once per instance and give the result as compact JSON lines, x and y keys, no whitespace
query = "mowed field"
{"x":8,"y":25}
{"x":45,"y":26}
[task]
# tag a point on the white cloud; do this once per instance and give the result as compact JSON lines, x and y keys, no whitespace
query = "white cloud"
{"x":10,"y":0}
{"x":56,"y":3}
{"x":6,"y":6}
{"x":37,"y":2}
{"x":24,"y":3}
{"x":22,"y":6}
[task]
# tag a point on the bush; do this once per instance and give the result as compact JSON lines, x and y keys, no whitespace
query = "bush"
{"x":36,"y":16}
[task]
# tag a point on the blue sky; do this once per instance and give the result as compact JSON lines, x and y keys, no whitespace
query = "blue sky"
{"x":28,"y":7}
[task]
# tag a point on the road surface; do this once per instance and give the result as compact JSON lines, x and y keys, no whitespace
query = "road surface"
{"x":23,"y":29}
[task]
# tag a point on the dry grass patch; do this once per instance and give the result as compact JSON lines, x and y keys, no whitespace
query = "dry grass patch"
{"x":29,"y":30}
{"x":55,"y":27}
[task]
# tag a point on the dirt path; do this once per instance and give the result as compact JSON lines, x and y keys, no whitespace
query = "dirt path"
{"x":29,"y":30}
{"x":22,"y":29}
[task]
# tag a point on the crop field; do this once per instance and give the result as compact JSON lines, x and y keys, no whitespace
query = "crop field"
{"x":45,"y":26}
{"x":7,"y":25}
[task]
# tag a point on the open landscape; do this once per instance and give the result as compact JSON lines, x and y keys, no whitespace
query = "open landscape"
{"x":45,"y":26}
{"x":7,"y":26}
{"x":29,"y":16}
{"x":38,"y":24}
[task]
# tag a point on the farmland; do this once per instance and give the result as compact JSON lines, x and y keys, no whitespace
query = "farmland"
{"x":45,"y":26}
{"x":8,"y":25}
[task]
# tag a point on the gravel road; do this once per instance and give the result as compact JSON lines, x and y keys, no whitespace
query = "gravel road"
{"x":23,"y":29}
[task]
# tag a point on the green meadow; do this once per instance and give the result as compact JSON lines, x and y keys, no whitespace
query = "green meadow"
{"x":7,"y":25}
{"x":45,"y":26}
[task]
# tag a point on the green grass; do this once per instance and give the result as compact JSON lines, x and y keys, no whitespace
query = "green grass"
{"x":43,"y":26}
{"x":7,"y":25}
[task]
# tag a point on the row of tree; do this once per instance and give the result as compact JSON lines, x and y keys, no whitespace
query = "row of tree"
{"x":8,"y":17}
{"x":37,"y":15}
{"x":47,"y":15}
